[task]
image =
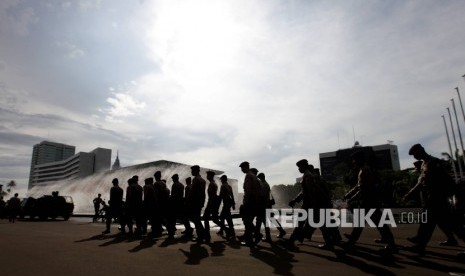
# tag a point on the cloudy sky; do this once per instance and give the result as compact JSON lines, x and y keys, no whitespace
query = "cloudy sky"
{"x":219,"y":82}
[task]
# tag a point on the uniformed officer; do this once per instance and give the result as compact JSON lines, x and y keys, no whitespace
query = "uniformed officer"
{"x":439,"y":187}
{"x":249,"y":206}
{"x":211,"y":211}
{"x":365,"y":191}
{"x":115,"y":206}
{"x":313,"y":199}
{"x":149,"y":203}
{"x":161,"y":204}
{"x":195,"y":202}
{"x":185,"y":212}
{"x":175,"y":205}
{"x":227,"y":197}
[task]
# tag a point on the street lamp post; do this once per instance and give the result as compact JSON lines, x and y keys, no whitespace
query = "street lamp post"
{"x":455,"y":142}
{"x":450,"y":148}
{"x":460,"y":133}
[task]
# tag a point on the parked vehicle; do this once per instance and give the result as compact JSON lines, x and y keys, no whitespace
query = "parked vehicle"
{"x":48,"y":206}
{"x":28,"y":208}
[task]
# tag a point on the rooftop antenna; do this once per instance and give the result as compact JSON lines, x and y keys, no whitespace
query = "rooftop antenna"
{"x":353,"y":131}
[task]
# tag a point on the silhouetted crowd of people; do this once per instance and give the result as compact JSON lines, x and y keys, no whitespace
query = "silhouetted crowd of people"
{"x":155,"y":205}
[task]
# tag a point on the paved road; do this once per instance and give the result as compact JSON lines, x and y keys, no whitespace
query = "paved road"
{"x":75,"y":247}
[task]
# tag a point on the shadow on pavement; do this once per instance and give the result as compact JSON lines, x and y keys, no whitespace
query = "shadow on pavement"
{"x":116,"y":239}
{"x":217,"y":248}
{"x":144,"y":244}
{"x":196,"y":253}
{"x":277,"y":257}
{"x":98,"y":237}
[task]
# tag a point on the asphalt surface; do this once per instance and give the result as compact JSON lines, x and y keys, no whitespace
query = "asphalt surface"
{"x":76,"y":247}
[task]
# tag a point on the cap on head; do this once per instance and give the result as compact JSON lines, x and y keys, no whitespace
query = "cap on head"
{"x":148,"y":180}
{"x":244,"y":164}
{"x":302,"y":162}
{"x":188,"y":179}
{"x":211,"y":173}
{"x":417,"y":148}
{"x":195,"y":167}
{"x":224,"y":177}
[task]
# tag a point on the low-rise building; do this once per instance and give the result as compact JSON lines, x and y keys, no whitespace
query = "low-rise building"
{"x":380,"y":157}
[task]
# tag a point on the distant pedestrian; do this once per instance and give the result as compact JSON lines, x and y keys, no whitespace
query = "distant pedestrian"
{"x":14,"y":207}
{"x":2,"y":208}
{"x":97,"y":202}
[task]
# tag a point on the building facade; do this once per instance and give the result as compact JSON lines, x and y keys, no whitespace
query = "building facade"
{"x":380,"y":157}
{"x":47,"y":152}
{"x":84,"y":189}
{"x":45,"y":168}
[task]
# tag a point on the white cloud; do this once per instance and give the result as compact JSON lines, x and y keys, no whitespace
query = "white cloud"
{"x":122,"y":105}
{"x":71,"y":51}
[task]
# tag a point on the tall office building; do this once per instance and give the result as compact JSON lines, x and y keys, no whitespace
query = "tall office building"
{"x":46,"y":152}
{"x":52,"y":162}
